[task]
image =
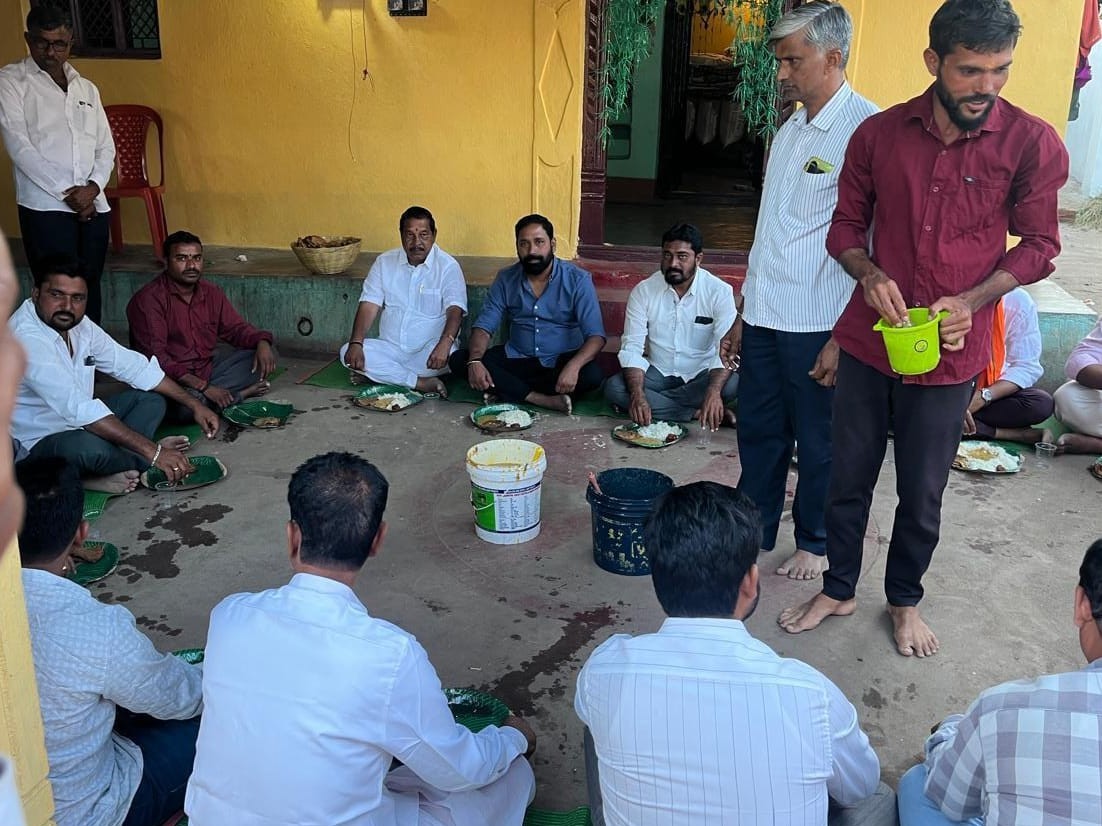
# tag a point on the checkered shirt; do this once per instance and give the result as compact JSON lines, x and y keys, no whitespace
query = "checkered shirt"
{"x":1025,"y":753}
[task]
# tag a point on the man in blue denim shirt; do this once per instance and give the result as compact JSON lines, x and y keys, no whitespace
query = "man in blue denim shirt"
{"x":555,"y":327}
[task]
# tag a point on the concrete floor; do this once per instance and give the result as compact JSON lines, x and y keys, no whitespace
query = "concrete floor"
{"x":521,"y":620}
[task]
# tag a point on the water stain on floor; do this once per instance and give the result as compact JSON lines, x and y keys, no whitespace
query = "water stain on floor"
{"x":185,"y":522}
{"x":516,"y":688}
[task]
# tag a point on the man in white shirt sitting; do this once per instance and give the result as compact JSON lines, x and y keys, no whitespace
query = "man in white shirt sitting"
{"x":420,"y":292}
{"x":118,"y":715}
{"x":308,"y":699}
{"x":700,"y":723}
{"x":1005,"y":404}
{"x":56,"y":132}
{"x":108,"y":441}
{"x":669,"y":351}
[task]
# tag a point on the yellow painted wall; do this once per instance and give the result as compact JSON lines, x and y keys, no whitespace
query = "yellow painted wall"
{"x":473,"y":111}
{"x":886,"y":61}
{"x":713,"y":38}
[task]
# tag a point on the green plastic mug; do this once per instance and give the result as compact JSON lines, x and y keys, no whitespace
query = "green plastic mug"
{"x":913,"y":350}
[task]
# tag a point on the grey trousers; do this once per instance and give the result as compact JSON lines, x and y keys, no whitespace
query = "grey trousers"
{"x":232,"y":370}
{"x":671,"y":399}
{"x":879,"y":809}
{"x":93,"y":456}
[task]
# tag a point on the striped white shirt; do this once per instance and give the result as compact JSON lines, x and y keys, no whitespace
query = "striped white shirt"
{"x":700,"y":723}
{"x":792,"y":284}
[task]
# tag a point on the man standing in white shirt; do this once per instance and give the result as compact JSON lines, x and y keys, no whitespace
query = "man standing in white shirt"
{"x":118,"y":715}
{"x":109,"y":441}
{"x":56,"y":132}
{"x":669,"y":349}
{"x":420,"y":292}
{"x":308,"y":699}
{"x":700,"y":722}
{"x":794,"y":291}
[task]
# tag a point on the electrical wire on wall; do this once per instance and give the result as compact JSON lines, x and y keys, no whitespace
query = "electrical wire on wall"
{"x":364,"y":73}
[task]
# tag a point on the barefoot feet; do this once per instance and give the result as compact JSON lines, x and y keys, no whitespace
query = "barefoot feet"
{"x":258,"y":389}
{"x":431,"y":384}
{"x":803,"y":565}
{"x":1078,"y":443}
{"x":807,"y":616}
{"x":562,"y":402}
{"x":913,"y":637}
{"x":180,"y":443}
{"x":116,"y":483}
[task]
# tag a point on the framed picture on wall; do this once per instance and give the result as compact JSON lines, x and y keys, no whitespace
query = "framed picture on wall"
{"x":407,"y":8}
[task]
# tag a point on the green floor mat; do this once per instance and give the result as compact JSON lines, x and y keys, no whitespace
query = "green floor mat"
{"x":575,"y":817}
{"x":1053,"y":424}
{"x":334,"y":375}
{"x":94,"y":503}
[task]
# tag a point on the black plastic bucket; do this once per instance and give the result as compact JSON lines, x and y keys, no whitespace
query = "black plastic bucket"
{"x":627,"y":498}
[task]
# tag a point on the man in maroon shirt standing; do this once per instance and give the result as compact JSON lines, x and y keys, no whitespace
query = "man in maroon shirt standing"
{"x":943,"y":178}
{"x":180,"y":319}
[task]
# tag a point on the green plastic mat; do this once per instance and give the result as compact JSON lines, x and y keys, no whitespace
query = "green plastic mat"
{"x":193,"y":431}
{"x":261,"y":413}
{"x":206,"y":470}
{"x":89,"y":572}
{"x":333,"y":375}
{"x":575,"y":817}
{"x":1057,"y":427}
{"x":94,"y":503}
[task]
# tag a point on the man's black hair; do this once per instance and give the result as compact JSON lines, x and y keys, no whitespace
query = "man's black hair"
{"x":984,"y":26}
{"x":534,"y":218}
{"x":702,"y":540}
{"x":54,"y":507}
{"x":337,"y":500}
{"x":416,"y":213}
{"x":180,"y":236}
{"x":1090,"y":579}
{"x":47,"y":16}
{"x":687,"y":233}
{"x":55,"y":264}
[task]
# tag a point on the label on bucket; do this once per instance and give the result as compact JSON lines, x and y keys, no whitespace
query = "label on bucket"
{"x":506,"y":511}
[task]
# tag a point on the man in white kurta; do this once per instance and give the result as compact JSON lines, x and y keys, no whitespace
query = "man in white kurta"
{"x":308,"y":699}
{"x":420,"y":293}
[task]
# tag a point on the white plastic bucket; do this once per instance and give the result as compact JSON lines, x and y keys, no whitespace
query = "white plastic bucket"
{"x":506,"y":475}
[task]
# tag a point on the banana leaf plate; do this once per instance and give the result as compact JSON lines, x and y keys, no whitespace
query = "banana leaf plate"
{"x":87,"y":572}
{"x":206,"y":470}
{"x":262,"y":413}
{"x":630,"y":433}
{"x":387,"y":398}
{"x":475,"y":709}
{"x":192,"y":656}
{"x":487,"y":418}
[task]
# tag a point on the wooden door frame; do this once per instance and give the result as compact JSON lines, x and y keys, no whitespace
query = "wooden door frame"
{"x":591,"y":224}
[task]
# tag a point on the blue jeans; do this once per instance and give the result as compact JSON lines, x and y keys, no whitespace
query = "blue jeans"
{"x":168,"y":754}
{"x":779,"y":404}
{"x":915,"y":808}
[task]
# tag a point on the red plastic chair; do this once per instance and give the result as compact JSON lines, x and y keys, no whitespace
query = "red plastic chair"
{"x":130,"y":127}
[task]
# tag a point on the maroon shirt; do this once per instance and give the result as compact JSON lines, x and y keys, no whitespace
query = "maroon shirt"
{"x":941,"y":216}
{"x":183,"y":335}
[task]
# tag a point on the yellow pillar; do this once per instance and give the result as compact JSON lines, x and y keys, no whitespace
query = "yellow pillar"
{"x":20,"y":720}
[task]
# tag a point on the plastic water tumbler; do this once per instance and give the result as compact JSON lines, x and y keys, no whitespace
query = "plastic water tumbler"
{"x":1045,"y":453}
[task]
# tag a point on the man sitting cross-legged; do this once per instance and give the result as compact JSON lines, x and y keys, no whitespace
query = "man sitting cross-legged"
{"x":108,"y":441}
{"x":180,"y":319}
{"x":118,"y":715}
{"x":700,"y":723}
{"x":1028,"y":751}
{"x":555,"y":327}
{"x":1079,"y":402}
{"x":419,"y":291}
{"x":308,"y":699}
{"x":1005,"y":404}
{"x":670,"y":348}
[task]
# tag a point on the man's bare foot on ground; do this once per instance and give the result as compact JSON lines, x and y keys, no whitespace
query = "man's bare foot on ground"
{"x":1078,"y":443}
{"x":431,"y":384}
{"x":1025,"y":435}
{"x":807,"y":616}
{"x":258,"y":389}
{"x":803,"y":565}
{"x":180,"y":443}
{"x":124,"y":482}
{"x":563,"y":403}
{"x":913,"y":636}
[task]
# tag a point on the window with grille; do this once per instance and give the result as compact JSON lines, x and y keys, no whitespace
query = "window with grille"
{"x":115,"y":28}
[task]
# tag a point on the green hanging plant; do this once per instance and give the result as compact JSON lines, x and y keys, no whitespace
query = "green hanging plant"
{"x":630,"y":26}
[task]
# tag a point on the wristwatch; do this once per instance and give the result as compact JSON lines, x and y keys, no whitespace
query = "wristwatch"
{"x":986,"y":395}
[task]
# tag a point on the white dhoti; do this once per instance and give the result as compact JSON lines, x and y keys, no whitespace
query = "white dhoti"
{"x":501,"y":803}
{"x":388,"y":363}
{"x":1080,"y":408}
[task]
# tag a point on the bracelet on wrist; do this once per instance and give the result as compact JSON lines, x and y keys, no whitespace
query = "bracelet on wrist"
{"x":360,"y":342}
{"x":473,"y":361}
{"x":156,"y":455}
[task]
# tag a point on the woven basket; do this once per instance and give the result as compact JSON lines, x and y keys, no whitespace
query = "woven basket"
{"x":329,"y":260}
